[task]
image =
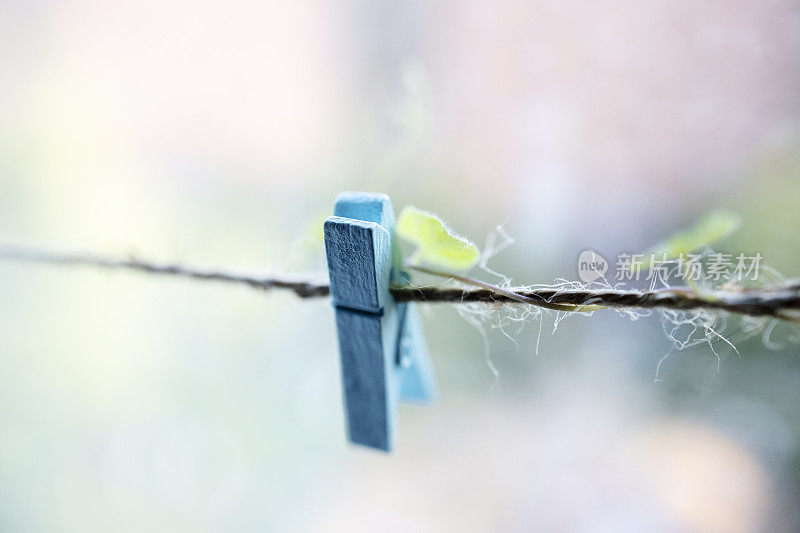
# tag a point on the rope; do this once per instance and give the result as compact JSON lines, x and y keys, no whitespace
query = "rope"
{"x":302,"y":288}
{"x":778,"y":301}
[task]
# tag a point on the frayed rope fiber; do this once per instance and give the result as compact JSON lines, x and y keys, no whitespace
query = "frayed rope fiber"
{"x":778,"y":301}
{"x":772,"y":301}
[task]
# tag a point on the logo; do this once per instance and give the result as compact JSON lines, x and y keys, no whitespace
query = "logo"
{"x":591,"y":266}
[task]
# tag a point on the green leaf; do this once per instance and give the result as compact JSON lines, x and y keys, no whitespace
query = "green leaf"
{"x":436,"y":243}
{"x":713,"y":227}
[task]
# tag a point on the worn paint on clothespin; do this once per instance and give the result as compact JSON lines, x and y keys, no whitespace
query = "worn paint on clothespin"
{"x":384,"y":356}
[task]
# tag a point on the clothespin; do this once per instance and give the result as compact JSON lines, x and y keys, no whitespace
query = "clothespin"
{"x":384,"y":357}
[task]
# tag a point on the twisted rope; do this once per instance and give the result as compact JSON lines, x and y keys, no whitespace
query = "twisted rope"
{"x":778,"y":301}
{"x":302,"y":288}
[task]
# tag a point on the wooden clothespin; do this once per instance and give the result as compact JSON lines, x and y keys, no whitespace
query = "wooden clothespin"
{"x":383,"y":352}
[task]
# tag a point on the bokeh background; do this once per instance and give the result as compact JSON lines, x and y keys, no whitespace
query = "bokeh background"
{"x":220,"y":133}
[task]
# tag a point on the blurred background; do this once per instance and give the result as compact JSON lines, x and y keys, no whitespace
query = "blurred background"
{"x":219,"y":134}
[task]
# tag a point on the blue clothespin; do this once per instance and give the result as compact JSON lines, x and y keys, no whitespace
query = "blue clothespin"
{"x":383,"y":352}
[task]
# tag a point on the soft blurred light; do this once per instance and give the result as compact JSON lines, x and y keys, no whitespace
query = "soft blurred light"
{"x":219,"y":134}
